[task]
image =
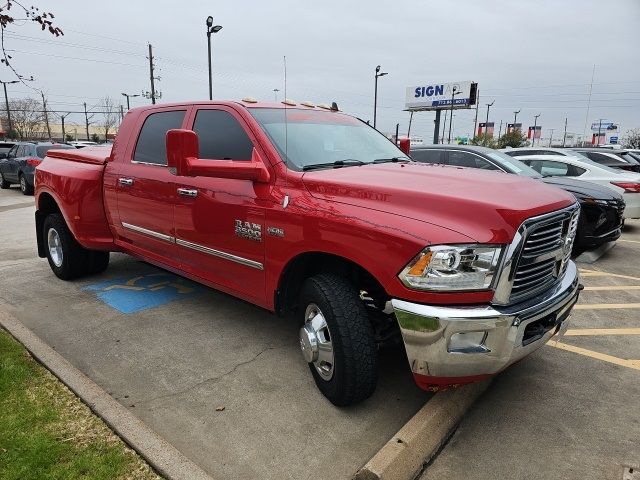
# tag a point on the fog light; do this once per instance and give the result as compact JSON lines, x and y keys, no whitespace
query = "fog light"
{"x":468,"y":342}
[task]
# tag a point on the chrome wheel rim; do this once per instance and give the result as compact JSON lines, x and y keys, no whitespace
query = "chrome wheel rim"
{"x":55,"y":247}
{"x":23,"y":184}
{"x":315,"y":342}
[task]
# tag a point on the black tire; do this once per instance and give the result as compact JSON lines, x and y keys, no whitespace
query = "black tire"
{"x":98,"y":262}
{"x":25,"y":188}
{"x":355,"y":355}
{"x":75,"y":259}
{"x":4,"y":183}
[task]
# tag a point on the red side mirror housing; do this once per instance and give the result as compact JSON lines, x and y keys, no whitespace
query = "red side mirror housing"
{"x":405,"y":145}
{"x":181,"y":146}
{"x":182,"y":160}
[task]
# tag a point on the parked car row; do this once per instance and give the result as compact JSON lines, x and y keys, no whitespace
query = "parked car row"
{"x":20,"y":161}
{"x":602,"y":208}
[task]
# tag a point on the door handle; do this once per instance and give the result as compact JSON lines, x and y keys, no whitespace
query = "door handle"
{"x":186,"y":192}
{"x":125,"y":181}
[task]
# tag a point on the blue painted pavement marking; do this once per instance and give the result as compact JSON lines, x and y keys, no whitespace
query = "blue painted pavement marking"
{"x":134,"y":294}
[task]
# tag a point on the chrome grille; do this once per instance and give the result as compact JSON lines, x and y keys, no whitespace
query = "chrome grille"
{"x":545,"y":253}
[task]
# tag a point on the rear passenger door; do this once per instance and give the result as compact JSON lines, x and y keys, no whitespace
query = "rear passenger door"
{"x":8,"y":165}
{"x":145,"y":190}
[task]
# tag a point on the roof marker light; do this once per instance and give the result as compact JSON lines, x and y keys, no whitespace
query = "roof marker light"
{"x":308,"y":104}
{"x":289,"y":102}
{"x":249,"y":100}
{"x":324,"y":105}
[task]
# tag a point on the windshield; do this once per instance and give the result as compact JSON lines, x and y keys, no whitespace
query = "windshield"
{"x":316,"y":137}
{"x":513,"y":165}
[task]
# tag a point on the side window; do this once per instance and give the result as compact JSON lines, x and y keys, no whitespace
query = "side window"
{"x":574,"y":171}
{"x":597,"y":157}
{"x":553,"y":169}
{"x":465,"y":159}
{"x":22,"y":151}
{"x":427,"y":156}
{"x":517,"y":153}
{"x":12,"y":152}
{"x":221,"y":136}
{"x":152,"y":145}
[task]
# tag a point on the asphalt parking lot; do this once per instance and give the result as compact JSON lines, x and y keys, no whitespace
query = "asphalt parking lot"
{"x":570,"y":410}
{"x":172,"y":352}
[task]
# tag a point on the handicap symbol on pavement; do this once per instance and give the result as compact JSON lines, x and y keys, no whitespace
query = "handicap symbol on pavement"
{"x":131,"y":295}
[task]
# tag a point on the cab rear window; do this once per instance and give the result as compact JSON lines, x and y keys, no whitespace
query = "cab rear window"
{"x":152,"y":146}
{"x":42,"y":151}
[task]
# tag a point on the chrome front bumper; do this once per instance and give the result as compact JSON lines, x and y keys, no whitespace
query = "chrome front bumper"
{"x":427,"y":331}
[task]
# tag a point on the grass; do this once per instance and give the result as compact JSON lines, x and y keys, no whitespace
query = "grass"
{"x":46,"y":432}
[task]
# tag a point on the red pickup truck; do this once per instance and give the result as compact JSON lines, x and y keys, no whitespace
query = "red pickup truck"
{"x":304,"y":209}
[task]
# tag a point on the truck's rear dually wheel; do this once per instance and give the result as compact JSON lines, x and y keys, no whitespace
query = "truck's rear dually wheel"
{"x":337,"y":339}
{"x":67,"y":258}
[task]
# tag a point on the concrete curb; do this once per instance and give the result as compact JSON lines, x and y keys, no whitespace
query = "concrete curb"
{"x":420,"y":438}
{"x":161,"y":455}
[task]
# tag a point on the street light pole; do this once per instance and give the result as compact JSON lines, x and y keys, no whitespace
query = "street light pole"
{"x":275,"y":93}
{"x":535,"y":124}
{"x":128,"y":95}
{"x":515,"y":119}
{"x":211,"y":29}
{"x":375,"y":94}
{"x":486,"y":123}
{"x":564,"y":137}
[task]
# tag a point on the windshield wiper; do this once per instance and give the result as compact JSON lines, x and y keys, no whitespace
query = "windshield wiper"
{"x":391,"y":160}
{"x":337,"y":164}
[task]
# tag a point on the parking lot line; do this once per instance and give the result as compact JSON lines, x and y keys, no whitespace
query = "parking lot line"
{"x":605,"y":306}
{"x":590,"y":273}
{"x":630,"y":241}
{"x":602,"y":331}
{"x":613,"y":287}
{"x":633,"y":364}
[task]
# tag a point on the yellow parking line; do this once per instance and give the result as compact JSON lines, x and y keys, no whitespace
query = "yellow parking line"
{"x":614,"y":287}
{"x":633,"y":364}
{"x":602,"y":331}
{"x":630,"y":241}
{"x":605,"y":306}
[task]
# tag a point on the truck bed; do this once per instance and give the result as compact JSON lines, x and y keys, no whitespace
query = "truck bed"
{"x":94,"y":155}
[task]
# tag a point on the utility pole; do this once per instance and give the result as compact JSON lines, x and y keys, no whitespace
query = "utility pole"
{"x":475,"y":122}
{"x":46,"y":114}
{"x":86,"y":120}
{"x":121,"y":113}
{"x":535,"y":124}
{"x":375,"y":94}
{"x":151,"y":77}
{"x":599,"y":130}
{"x":500,"y":131}
{"x":275,"y":94}
{"x":486,"y":123}
{"x":409,"y":129}
{"x":551,"y":136}
{"x":454,"y":92}
{"x":564,"y":137}
{"x":436,"y":128}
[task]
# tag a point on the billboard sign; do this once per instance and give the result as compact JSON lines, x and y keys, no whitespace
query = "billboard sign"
{"x":511,"y":126}
{"x":438,"y":96}
{"x":603,"y":126}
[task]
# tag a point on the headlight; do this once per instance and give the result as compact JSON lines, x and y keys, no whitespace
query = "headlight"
{"x":452,"y":267}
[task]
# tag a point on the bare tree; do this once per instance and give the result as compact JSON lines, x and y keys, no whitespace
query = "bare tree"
{"x":110,"y":115}
{"x":26,"y":115}
{"x":632,"y":138}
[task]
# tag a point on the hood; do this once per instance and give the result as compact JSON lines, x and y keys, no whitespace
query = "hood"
{"x":486,"y":206}
{"x":583,"y":189}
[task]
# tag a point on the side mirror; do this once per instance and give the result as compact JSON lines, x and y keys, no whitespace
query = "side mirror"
{"x":181,"y":146}
{"x":182,"y":160}
{"x":405,"y":146}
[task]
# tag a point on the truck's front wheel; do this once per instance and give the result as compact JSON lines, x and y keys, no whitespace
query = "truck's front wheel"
{"x":67,"y":258}
{"x":337,"y":340}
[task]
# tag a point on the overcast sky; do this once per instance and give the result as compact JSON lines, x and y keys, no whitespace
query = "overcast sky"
{"x":534,"y":56}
